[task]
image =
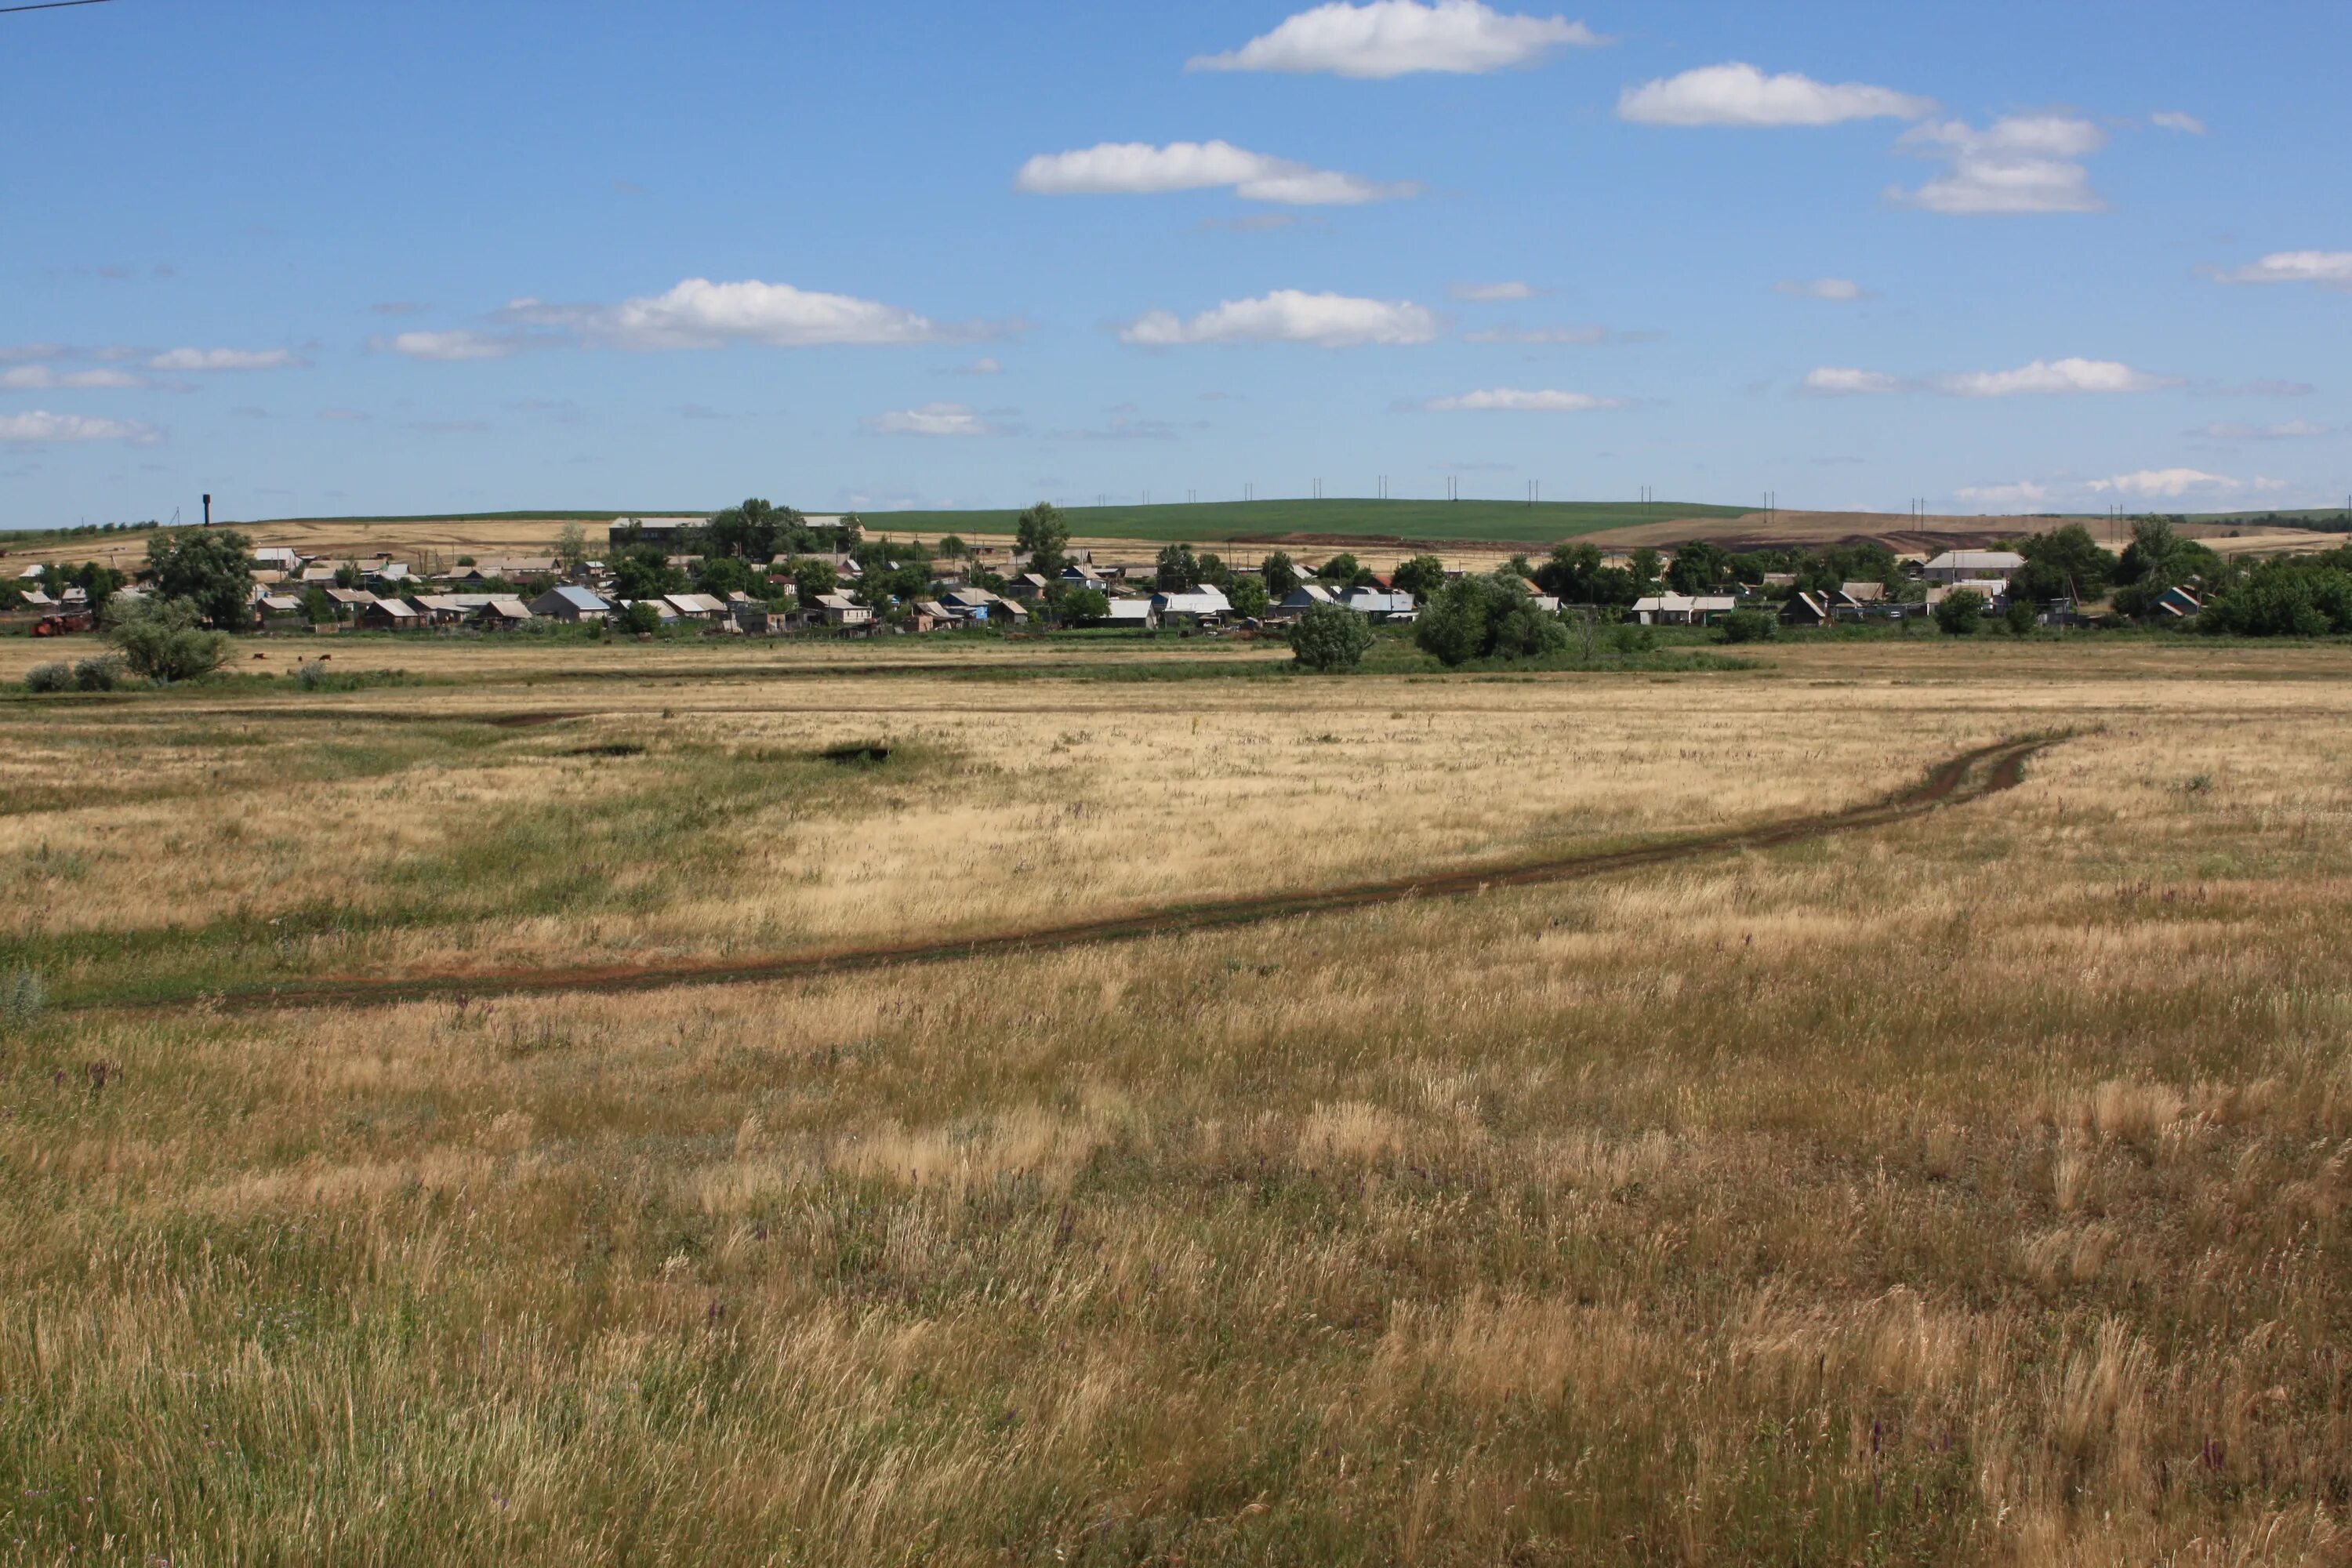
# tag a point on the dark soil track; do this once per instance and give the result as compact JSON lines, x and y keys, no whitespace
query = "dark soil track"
{"x":1970,"y":776}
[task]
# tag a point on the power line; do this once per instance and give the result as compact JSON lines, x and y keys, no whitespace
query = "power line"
{"x":48,"y":6}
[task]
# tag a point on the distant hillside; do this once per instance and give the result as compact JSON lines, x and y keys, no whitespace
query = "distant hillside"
{"x":1319,"y":521}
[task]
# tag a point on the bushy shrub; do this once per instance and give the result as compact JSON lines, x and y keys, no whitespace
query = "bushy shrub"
{"x":1632,"y":636}
{"x":101,"y":672}
{"x":1748,"y":625}
{"x":1328,"y":638}
{"x":57,"y":677}
{"x":2283,"y":598}
{"x":641,"y":617}
{"x":1961,"y":613}
{"x":164,"y":639}
{"x":1487,"y":617}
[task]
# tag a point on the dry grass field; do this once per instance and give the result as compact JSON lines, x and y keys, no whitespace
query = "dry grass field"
{"x":1971,"y":1188}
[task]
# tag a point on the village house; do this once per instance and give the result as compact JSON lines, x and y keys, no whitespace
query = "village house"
{"x":1137,"y":615}
{"x":571,"y":604}
{"x":841,"y":610}
{"x":1300,"y":600}
{"x":1379,"y":604}
{"x":1204,"y":605}
{"x":390,"y":614}
{"x":1954,"y":567}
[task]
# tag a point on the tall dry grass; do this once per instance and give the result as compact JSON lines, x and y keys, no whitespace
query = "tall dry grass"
{"x":1973,"y":1190}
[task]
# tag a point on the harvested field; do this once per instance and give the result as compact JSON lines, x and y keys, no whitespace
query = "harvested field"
{"x":1965,"y":1184}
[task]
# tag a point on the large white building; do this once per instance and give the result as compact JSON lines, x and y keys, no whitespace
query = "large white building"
{"x":1975,"y":565}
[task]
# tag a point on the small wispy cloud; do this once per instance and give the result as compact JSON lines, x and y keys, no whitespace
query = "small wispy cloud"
{"x":2041,"y":378}
{"x":1739,"y":95}
{"x":1397,"y":38}
{"x":227,"y":359}
{"x":2020,"y":164}
{"x":1290,"y":316}
{"x":1490,"y":293}
{"x":1139,"y":168}
{"x":1514,"y":400}
{"x":2326,"y":268}
{"x":38,"y":427}
{"x":1838,"y":290}
{"x":940,"y":419}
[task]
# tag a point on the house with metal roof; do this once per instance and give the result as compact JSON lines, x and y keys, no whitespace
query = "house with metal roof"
{"x":571,"y":604}
{"x":1954,"y":567}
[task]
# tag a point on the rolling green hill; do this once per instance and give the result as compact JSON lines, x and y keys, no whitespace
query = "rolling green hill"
{"x":1214,"y":522}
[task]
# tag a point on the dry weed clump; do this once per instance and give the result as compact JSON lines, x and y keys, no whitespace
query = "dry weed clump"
{"x":1973,"y":1190}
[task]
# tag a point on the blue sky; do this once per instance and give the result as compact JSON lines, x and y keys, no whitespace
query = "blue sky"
{"x":431,"y":257}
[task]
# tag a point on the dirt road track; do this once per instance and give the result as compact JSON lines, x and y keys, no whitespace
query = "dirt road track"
{"x":1970,"y":776}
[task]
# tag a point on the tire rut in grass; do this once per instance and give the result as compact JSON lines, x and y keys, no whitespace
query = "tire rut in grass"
{"x":1970,"y":776}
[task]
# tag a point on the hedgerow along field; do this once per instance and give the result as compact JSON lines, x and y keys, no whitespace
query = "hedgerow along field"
{"x":1968,"y":1187}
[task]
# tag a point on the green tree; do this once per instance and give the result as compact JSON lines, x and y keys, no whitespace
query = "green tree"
{"x":811,"y":576}
{"x":1341,"y":568}
{"x":1700,"y":567}
{"x":1644,"y":565}
{"x":1422,"y":576}
{"x":1961,"y":612}
{"x":2063,"y":564}
{"x":1328,"y":638}
{"x":644,"y":572}
{"x":1249,"y":597}
{"x":164,"y":639}
{"x":348,"y":575}
{"x":1178,"y":571}
{"x":210,"y":569}
{"x":641,"y":617}
{"x":2149,"y":560}
{"x":952,"y":548}
{"x":1487,"y":617}
{"x":1569,"y":573}
{"x":1748,"y":625}
{"x":1280,"y":576}
{"x":753,"y":531}
{"x":1045,"y":533}
{"x":2286,"y":599}
{"x":1081,"y":605}
{"x":2019,"y":614}
{"x":724,"y":575}
{"x":571,"y":545}
{"x":317,"y":608}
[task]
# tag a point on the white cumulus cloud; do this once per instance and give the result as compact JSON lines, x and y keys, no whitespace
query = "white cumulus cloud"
{"x":1491,"y":293}
{"x":1290,"y":316}
{"x":2168,"y":482}
{"x":2329,"y":268}
{"x":1843,"y":381}
{"x":40,"y":429}
{"x":2022,"y":163}
{"x":2054,"y":377}
{"x":1137,"y":168}
{"x":699,"y":314}
{"x":1514,"y":401}
{"x":2174,"y":119}
{"x":224,"y":359}
{"x":2024,"y":492}
{"x":1395,"y":37}
{"x":934,"y":419}
{"x":452,"y":345}
{"x":1840,"y":290}
{"x":1739,"y":94}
